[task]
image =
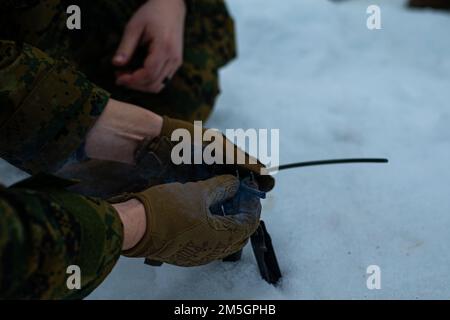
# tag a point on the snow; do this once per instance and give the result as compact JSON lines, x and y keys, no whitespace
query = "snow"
{"x":334,"y":89}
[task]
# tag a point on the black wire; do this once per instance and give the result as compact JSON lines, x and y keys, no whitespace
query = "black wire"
{"x":327,"y":162}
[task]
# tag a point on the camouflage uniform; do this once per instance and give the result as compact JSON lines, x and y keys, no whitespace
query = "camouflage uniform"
{"x":54,"y":83}
{"x":44,"y":230}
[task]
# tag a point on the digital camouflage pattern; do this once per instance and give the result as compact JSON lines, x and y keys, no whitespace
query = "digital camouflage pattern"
{"x":46,"y":108}
{"x":209,"y":44}
{"x":45,"y":229}
{"x":54,"y":83}
{"x":50,"y":77}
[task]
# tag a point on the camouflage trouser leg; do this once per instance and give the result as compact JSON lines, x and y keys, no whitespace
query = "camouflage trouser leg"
{"x":209,"y":44}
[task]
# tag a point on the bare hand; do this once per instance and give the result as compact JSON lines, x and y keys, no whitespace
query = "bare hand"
{"x":159,"y":26}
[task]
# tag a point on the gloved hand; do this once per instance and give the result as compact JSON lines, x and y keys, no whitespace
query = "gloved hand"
{"x":181,"y":230}
{"x":154,"y":156}
{"x":154,"y":166}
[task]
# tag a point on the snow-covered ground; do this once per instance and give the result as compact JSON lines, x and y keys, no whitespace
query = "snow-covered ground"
{"x":334,"y":89}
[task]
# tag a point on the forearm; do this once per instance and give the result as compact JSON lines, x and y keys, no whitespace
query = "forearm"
{"x":119,"y":131}
{"x":56,"y":108}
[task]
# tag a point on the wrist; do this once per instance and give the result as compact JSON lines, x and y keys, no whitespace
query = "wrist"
{"x":132,"y":215}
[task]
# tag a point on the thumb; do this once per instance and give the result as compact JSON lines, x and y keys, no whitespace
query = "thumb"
{"x":220,"y":188}
{"x":241,"y":225}
{"x":128,"y":44}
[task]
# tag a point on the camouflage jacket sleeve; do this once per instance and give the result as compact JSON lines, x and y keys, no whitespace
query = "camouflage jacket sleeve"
{"x":46,"y":107}
{"x":43,"y":231}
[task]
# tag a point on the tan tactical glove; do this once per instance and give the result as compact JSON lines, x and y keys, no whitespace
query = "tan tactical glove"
{"x":154,"y":166}
{"x":155,"y":156}
{"x":181,"y":229}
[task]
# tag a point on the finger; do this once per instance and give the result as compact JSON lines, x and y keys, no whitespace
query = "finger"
{"x":233,"y":249}
{"x":119,"y":73}
{"x":155,"y":62}
{"x":157,"y":88}
{"x":123,"y":78}
{"x":169,"y":71}
{"x":239,"y":245}
{"x":220,"y":188}
{"x":142,"y":78}
{"x":128,"y":44}
{"x":159,"y":84}
{"x":137,"y":78}
{"x":174,"y":70}
{"x":137,"y":87}
{"x":174,"y":65}
{"x":239,"y":226}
